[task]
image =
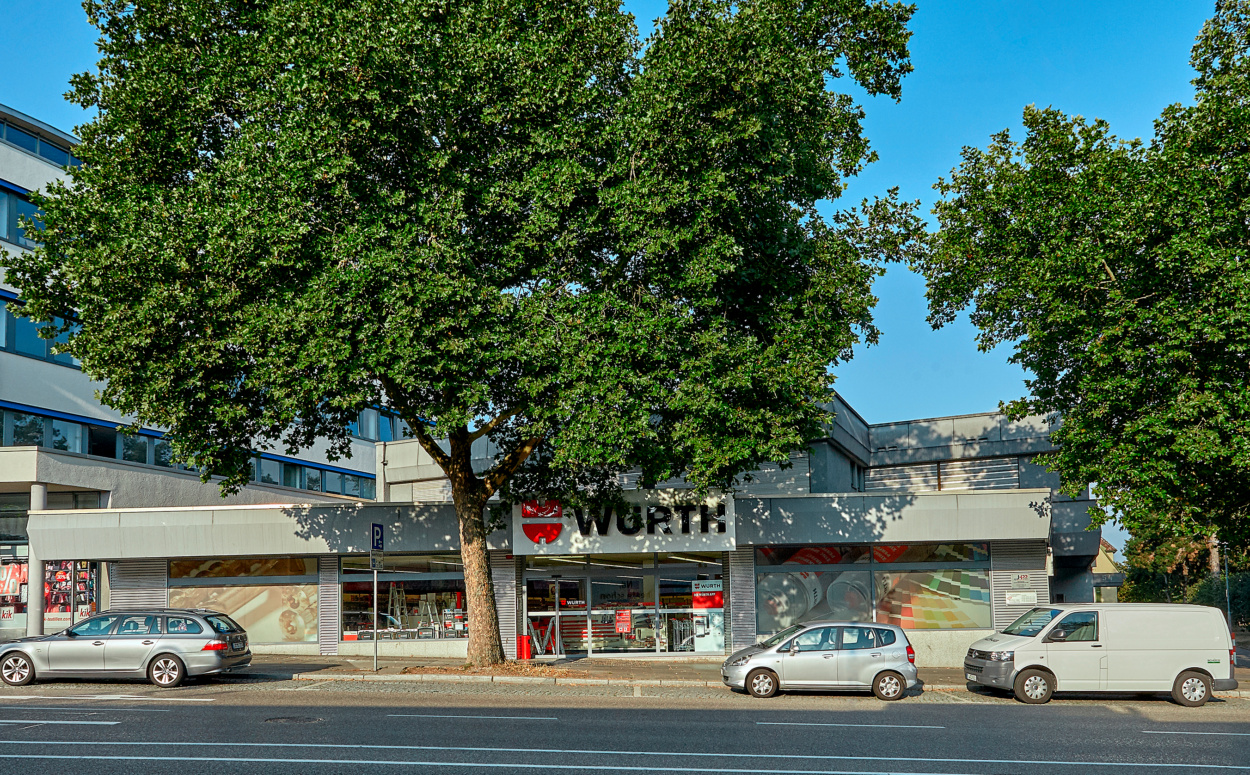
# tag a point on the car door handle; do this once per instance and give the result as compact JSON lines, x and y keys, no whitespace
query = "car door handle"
{"x":1096,"y":646}
{"x":829,"y":656}
{"x":877,"y":654}
{"x":148,"y":642}
{"x":98,"y":643}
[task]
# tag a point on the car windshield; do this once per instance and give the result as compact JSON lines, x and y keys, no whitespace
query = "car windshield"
{"x":1033,"y":622}
{"x":781,"y":636}
{"x":223,"y":623}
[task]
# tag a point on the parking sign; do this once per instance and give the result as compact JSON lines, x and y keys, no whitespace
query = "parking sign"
{"x":375,"y":533}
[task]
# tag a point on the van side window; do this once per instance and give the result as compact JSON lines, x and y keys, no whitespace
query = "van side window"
{"x":1080,"y":626}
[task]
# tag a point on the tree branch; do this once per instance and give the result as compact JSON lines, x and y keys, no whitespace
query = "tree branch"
{"x":509,"y":465}
{"x":431,"y":446}
{"x":492,"y":425}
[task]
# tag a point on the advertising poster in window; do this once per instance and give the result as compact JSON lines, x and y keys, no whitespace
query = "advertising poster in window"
{"x":283,"y":613}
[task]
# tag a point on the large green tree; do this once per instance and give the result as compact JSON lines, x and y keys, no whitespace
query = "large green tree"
{"x":498,"y":218}
{"x":1119,"y":272}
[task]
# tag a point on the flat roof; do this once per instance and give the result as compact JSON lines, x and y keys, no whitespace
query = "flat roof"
{"x":32,"y":124}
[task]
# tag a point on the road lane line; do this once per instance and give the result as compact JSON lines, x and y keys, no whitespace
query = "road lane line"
{"x":869,"y":726}
{"x":124,"y":697}
{"x":1227,"y":734}
{"x":60,"y":721}
{"x":86,"y":709}
{"x":601,"y":752}
{"x":473,"y":765}
{"x":434,"y":715}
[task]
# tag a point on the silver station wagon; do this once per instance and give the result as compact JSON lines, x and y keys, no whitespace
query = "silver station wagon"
{"x":165,"y":645}
{"x":826,"y":655}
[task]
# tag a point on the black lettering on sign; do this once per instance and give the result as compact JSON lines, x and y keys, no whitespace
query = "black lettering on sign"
{"x":653,"y":519}
{"x":629,"y":524}
{"x":600,"y":521}
{"x":685,"y":518}
{"x":705,"y":520}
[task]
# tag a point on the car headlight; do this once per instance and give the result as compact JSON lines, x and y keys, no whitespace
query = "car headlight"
{"x":1002,"y":656}
{"x":739,"y":662}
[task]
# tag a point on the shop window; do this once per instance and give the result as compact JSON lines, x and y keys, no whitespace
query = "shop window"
{"x":241,"y":567}
{"x":926,"y":553}
{"x":810,"y":555}
{"x":407,"y":563}
{"x":407,"y":610}
{"x":101,"y":441}
{"x":939,"y":599}
{"x":271,"y":613}
{"x":135,"y":448}
{"x":784,"y":599}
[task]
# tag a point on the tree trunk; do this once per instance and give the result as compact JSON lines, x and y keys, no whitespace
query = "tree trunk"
{"x":485,"y":645}
{"x":1213,"y":556}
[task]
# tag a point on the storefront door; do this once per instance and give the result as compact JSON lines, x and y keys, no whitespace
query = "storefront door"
{"x":557,"y":616}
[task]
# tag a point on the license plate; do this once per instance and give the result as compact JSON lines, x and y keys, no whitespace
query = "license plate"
{"x":237,"y":647}
{"x":970,"y":676}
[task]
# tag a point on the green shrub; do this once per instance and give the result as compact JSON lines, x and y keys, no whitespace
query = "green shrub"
{"x":1210,"y":591}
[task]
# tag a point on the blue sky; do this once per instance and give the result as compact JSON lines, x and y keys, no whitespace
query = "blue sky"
{"x":977,"y":64}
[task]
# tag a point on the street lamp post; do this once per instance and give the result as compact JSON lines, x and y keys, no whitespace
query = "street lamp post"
{"x":1228,"y":598}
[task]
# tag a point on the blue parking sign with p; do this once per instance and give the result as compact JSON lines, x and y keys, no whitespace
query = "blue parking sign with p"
{"x":375,"y":533}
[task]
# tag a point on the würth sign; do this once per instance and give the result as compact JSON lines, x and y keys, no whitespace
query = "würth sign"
{"x":652,"y":521}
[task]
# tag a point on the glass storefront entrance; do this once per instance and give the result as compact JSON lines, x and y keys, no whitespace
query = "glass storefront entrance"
{"x":621,"y":604}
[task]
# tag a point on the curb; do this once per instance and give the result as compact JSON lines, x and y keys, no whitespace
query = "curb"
{"x":500,"y":679}
{"x":532,"y":680}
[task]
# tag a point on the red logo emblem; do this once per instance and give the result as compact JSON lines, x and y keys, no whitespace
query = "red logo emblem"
{"x":542,"y":521}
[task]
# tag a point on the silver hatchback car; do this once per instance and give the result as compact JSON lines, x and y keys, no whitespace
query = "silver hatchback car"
{"x":164,"y":644}
{"x":826,"y":655}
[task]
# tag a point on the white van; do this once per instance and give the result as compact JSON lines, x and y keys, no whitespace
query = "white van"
{"x":1116,"y":647}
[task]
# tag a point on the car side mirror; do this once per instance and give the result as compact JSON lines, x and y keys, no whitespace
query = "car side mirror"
{"x":1058,"y":636}
{"x":71,"y":634}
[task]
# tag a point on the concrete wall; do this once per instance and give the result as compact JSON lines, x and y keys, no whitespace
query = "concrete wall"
{"x":943,"y":648}
{"x":894,"y":517}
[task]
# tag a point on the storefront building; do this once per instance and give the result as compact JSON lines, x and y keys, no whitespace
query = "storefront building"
{"x":668,"y":575}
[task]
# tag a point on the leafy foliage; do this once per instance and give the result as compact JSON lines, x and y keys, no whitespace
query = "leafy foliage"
{"x":1118,"y":270}
{"x":504,"y":220}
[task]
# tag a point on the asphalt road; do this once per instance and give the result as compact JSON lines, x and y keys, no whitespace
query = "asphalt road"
{"x":336,"y":727}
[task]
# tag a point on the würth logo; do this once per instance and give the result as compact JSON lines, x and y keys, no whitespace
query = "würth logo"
{"x":542,"y":521}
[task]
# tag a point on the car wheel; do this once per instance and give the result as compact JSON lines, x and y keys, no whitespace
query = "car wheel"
{"x":167,"y":671}
{"x":1034,"y":687}
{"x":16,"y":669}
{"x":1191,"y":689}
{"x":762,"y":683}
{"x":889,"y":686}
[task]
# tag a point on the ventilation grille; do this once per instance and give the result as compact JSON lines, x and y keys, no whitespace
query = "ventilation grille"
{"x":741,"y":592}
{"x":328,"y":600}
{"x":137,"y":584}
{"x":503,"y":574}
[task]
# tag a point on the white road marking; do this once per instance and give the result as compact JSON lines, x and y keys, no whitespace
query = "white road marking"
{"x":126,"y":697}
{"x":62,"y":721}
{"x":510,"y":718}
{"x":86,"y":709}
{"x":600,"y":752}
{"x":1228,"y":734}
{"x":465,"y":765}
{"x":869,"y":726}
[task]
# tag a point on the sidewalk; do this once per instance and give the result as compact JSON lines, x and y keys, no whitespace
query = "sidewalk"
{"x":618,"y":672}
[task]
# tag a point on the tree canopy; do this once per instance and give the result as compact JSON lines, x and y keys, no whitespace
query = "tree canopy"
{"x":497,"y":218}
{"x":1118,"y":271}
